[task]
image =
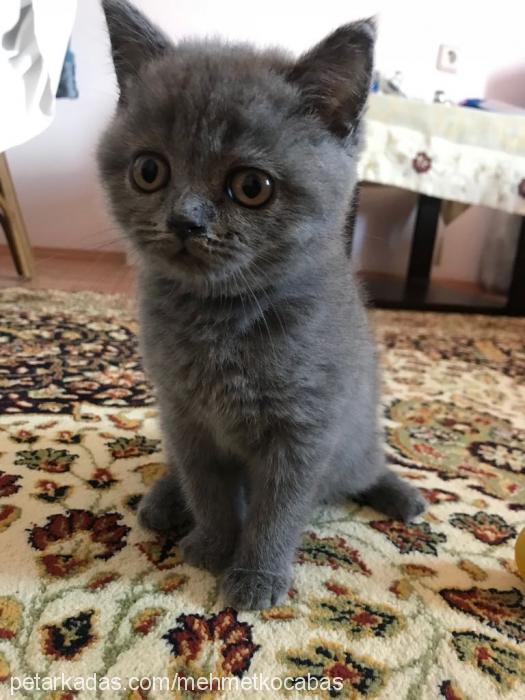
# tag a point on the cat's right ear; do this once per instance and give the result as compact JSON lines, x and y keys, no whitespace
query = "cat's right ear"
{"x":335,"y":75}
{"x":134,"y":41}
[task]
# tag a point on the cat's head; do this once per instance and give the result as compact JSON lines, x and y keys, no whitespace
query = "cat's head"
{"x":226,"y":165}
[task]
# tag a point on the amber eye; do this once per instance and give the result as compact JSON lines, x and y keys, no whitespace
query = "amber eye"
{"x":149,"y":172}
{"x":250,"y":187}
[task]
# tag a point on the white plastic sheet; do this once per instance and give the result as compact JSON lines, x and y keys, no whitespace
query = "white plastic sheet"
{"x":33,"y":40}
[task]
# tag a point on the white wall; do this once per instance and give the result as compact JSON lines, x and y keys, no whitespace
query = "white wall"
{"x":55,"y":173}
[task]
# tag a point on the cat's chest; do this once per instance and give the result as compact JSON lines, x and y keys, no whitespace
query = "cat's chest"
{"x":217,"y":378}
{"x":218,"y":374}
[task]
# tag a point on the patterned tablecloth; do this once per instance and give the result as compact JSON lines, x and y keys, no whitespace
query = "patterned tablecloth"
{"x":454,"y":153}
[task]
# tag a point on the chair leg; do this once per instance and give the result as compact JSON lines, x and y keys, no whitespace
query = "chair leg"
{"x":13,"y":223}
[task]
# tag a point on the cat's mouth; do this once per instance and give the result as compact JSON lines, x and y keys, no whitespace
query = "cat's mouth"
{"x":190,"y":256}
{"x":193,"y":255}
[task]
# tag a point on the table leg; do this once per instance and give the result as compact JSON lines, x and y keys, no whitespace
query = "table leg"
{"x":516,"y":295}
{"x":422,"y":250}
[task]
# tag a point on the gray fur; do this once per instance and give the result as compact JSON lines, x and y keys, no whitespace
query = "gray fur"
{"x":257,"y":340}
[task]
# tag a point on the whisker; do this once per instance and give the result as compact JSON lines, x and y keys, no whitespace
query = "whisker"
{"x":263,"y":317}
{"x":97,"y":248}
{"x":271,"y":305}
{"x":240,"y":295}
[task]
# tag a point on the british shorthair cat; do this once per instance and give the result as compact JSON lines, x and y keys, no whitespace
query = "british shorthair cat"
{"x":231,"y":172}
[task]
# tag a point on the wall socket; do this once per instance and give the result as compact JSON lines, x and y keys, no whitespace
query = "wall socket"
{"x":448,"y":58}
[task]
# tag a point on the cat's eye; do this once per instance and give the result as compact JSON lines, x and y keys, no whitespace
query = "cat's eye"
{"x":149,"y":172}
{"x":250,"y":187}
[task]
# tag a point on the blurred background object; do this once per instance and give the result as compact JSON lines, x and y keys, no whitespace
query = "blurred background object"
{"x":35,"y":35}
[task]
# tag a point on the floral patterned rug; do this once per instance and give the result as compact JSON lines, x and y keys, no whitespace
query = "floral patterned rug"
{"x":378,"y":609}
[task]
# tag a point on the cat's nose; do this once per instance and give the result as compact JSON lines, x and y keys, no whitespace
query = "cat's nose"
{"x":184,"y":228}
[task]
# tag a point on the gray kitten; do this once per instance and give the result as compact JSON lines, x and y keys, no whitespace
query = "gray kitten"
{"x":231,"y":172}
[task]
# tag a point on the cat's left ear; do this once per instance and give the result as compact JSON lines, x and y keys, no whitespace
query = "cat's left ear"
{"x":134,"y":40}
{"x":335,"y":75}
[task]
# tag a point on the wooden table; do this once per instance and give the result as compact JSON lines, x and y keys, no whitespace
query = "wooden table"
{"x":445,"y":153}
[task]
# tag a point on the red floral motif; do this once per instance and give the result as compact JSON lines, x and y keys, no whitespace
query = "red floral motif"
{"x":49,"y":491}
{"x":326,"y":660}
{"x":281,"y":613}
{"x":10,"y":617}
{"x":145,"y":621}
{"x":401,"y":588}
{"x":355,"y":616}
{"x":417,"y":570}
{"x":47,"y":460}
{"x":414,"y":537}
{"x":101,"y":580}
{"x":172,"y":582}
{"x":439,"y":496}
{"x":66,"y":640}
{"x":502,"y":663}
{"x":24,"y":436}
{"x":422,"y":162}
{"x":502,"y":610}
{"x":330,"y":551}
{"x":66,"y":437}
{"x":8,"y":515}
{"x":125,"y":423}
{"x":71,"y":542}
{"x":8,"y":485}
{"x":137,"y":446}
{"x":162,"y":552}
{"x":336,"y":588}
{"x":450,"y":692}
{"x":220,"y":645}
{"x":102,"y":479}
{"x":486,"y":527}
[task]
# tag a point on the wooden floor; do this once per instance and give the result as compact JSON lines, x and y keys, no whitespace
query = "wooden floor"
{"x":101,"y":271}
{"x":71,"y":271}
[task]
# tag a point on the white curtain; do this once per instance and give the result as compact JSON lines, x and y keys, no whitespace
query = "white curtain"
{"x":33,"y":40}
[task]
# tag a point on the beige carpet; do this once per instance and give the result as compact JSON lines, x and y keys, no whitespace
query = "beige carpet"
{"x":378,"y":609}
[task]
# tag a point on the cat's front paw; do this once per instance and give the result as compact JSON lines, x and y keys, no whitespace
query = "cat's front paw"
{"x":254,"y":590}
{"x":206,"y":552}
{"x":163,"y":509}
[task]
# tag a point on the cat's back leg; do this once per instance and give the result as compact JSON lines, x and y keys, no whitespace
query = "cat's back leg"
{"x":393,"y":496}
{"x":360,"y":473}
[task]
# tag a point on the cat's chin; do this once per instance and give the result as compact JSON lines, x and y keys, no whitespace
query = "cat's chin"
{"x":193,"y":274}
{"x":180,"y":261}
{"x":195,"y":271}
{"x":183,"y":258}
